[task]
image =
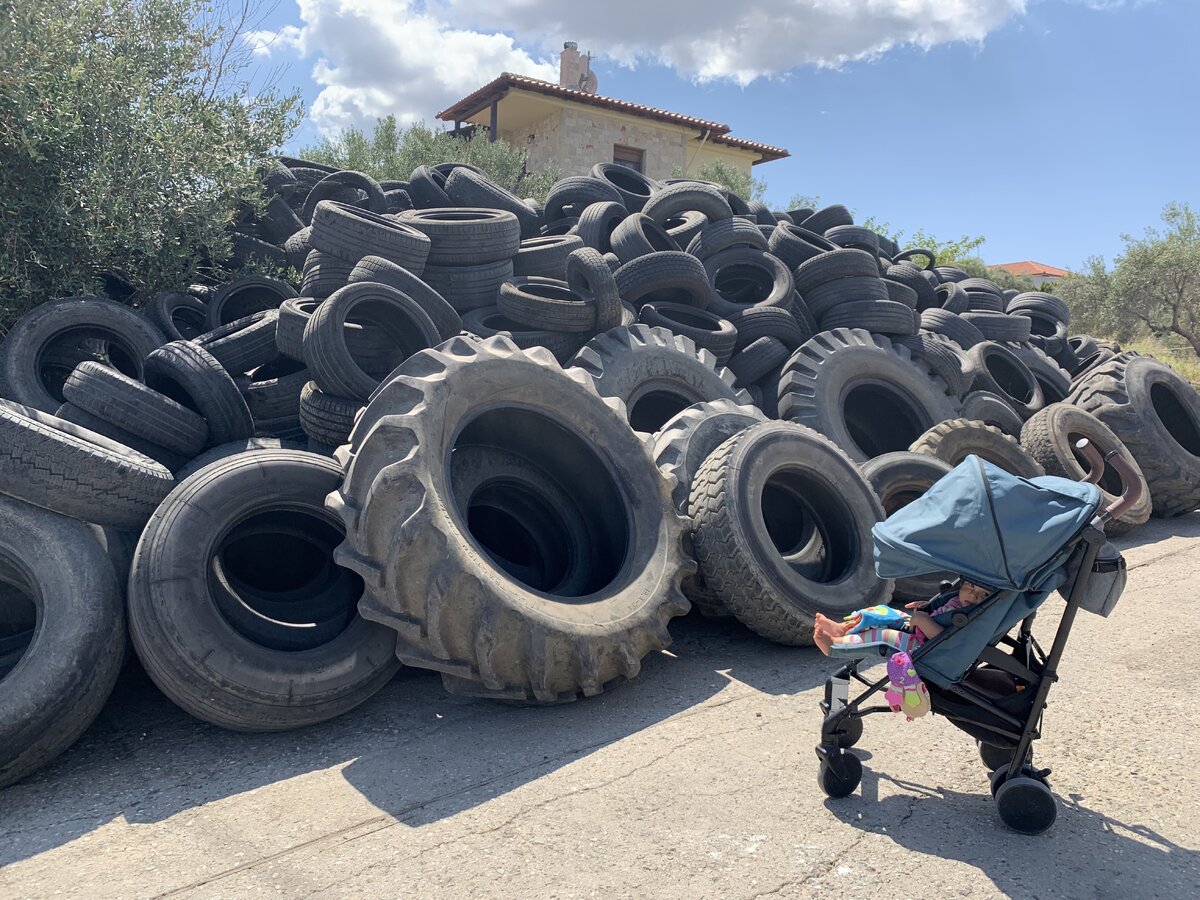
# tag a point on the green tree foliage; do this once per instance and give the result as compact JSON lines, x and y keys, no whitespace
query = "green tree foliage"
{"x":128,"y":137}
{"x":391,"y":152}
{"x":744,"y":184}
{"x":1154,"y":287}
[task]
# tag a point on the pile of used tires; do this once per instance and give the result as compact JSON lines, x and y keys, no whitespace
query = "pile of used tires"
{"x":508,"y":443}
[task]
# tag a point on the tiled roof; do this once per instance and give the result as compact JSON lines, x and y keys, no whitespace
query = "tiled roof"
{"x":1028,"y":267}
{"x":493,"y":90}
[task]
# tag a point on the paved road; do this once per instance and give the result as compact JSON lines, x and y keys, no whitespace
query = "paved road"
{"x":697,"y":780}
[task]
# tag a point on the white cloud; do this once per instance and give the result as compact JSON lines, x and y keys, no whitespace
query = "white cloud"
{"x":373,"y":57}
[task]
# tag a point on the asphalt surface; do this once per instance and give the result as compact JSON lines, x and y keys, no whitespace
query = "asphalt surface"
{"x":696,"y":780}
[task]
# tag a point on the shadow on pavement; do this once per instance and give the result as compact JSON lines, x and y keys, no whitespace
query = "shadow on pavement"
{"x":1102,"y":857}
{"x":414,"y":751}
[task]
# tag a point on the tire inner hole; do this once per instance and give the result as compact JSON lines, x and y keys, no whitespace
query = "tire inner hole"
{"x":249,"y":300}
{"x":1014,"y":382}
{"x":809,"y":526}
{"x":1176,"y":417}
{"x":66,"y":350}
{"x":18,"y":616}
{"x":880,"y":419}
{"x":651,"y":410}
{"x":743,"y":283}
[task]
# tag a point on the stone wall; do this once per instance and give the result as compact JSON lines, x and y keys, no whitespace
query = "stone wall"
{"x":572,"y":140}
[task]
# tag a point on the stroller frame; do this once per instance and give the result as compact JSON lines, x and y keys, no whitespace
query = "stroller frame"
{"x":842,"y":727}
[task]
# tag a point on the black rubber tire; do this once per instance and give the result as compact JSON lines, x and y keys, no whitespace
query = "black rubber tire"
{"x":824,"y":299}
{"x":685,"y":196}
{"x":743,"y":277}
{"x":898,"y":292}
{"x":1050,"y":436}
{"x":243,"y":344}
{"x":469,"y":287}
{"x":707,"y":330}
{"x":191,"y":377}
{"x":795,"y":245}
{"x":684,"y":227}
{"x":547,"y":304}
{"x":273,"y":391}
{"x":278,"y":222}
{"x":834,"y":265}
{"x":757,"y":360}
{"x":250,"y":251}
{"x":634,"y":187}
{"x":324,"y":274}
{"x":490,"y":321}
{"x":618,"y":539}
{"x":876,"y":316}
{"x":349,"y":233}
{"x":1040,"y":302}
{"x":930,"y":257}
{"x":1082,"y":346}
{"x":70,"y":470}
{"x":466,"y":237}
{"x":326,"y":418}
{"x":467,"y":188}
{"x":867,"y":395}
{"x":42,"y":348}
{"x":1054,"y":380}
{"x":222,"y":451}
{"x":953,"y":440}
{"x":1156,"y":414}
{"x":780,"y":483}
{"x":562,"y":226}
{"x":581,"y":191}
{"x":925,"y":294}
{"x":999,"y":327}
{"x":188,"y":646}
{"x":952,"y":326}
{"x":854,"y":237}
{"x":244,"y":297}
{"x":654,"y":373}
{"x":597,"y":223}
{"x":297,"y":248}
{"x":991,"y":409}
{"x":546,"y":257}
{"x":689,"y":438}
{"x":335,"y":183}
{"x":590,"y":275}
{"x":717,"y":236}
{"x":331,"y":359}
{"x":637,"y":235}
{"x":828,"y":217}
{"x":180,"y":317}
{"x":131,"y":405}
{"x":898,"y":479}
{"x":382,"y":271}
{"x":1088,"y":364}
{"x":941,"y":355}
{"x":992,"y":367}
{"x":427,"y":188}
{"x":1046,"y":329}
{"x":1026,"y":805}
{"x":52,"y":688}
{"x":671,"y":277}
{"x":771,"y":321}
{"x":69,"y":412}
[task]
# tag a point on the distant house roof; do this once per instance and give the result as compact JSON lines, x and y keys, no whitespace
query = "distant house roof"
{"x":494,"y":90}
{"x":1028,"y":267}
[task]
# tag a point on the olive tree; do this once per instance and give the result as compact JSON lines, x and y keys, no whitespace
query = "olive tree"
{"x":129,"y":137}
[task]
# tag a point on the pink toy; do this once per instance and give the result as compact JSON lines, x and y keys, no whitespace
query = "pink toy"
{"x":907,"y":693}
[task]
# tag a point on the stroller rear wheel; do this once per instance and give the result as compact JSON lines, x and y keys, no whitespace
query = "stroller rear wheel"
{"x":994,"y":757}
{"x":1026,"y":805}
{"x":839,"y":774}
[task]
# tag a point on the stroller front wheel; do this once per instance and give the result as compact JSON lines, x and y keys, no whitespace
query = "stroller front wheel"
{"x":839,"y":777}
{"x":1026,"y":805}
{"x":849,"y":733}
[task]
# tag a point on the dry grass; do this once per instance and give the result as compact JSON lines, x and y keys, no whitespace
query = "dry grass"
{"x":1182,"y":359}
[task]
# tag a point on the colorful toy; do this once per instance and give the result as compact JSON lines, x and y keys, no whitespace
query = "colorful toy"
{"x":907,"y":692}
{"x":875,"y":617}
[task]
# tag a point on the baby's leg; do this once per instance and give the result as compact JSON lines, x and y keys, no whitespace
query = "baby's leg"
{"x":925,"y":622}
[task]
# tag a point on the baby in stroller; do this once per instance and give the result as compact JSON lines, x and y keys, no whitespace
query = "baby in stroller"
{"x":834,"y":638}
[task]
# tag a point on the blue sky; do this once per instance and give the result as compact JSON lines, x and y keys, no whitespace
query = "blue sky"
{"x":1048,"y":126}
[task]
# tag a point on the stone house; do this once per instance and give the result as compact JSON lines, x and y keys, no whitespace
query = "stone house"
{"x":571,"y":127}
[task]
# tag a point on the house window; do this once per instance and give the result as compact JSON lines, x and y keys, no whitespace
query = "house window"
{"x":629,"y":156}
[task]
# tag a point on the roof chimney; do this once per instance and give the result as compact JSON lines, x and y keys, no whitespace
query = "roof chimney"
{"x":575,"y":70}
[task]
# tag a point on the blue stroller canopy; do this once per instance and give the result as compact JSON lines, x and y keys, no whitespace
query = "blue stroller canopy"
{"x":989,"y":527}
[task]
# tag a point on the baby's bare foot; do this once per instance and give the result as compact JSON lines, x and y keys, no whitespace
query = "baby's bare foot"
{"x":829,"y":627}
{"x":822,"y":640}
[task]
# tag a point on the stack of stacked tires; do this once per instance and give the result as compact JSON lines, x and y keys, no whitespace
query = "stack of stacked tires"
{"x":507,"y":442}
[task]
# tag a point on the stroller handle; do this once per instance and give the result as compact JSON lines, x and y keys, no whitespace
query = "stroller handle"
{"x":1130,"y":481}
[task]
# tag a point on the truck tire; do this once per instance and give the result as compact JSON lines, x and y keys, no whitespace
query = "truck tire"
{"x":235,"y":542}
{"x":483,"y":586}
{"x":782,"y":529}
{"x":955,"y":439}
{"x":62,"y":624}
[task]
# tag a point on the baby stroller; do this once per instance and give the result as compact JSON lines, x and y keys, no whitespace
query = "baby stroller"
{"x":1022,"y":539}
